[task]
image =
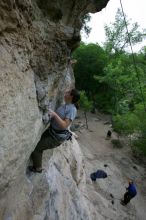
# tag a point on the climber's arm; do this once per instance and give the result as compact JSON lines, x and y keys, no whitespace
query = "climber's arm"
{"x":63,"y":123}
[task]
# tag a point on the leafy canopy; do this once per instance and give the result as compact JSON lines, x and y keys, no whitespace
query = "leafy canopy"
{"x":117,"y":38}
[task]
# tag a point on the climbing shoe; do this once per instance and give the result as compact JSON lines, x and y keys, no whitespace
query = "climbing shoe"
{"x":34,"y":170}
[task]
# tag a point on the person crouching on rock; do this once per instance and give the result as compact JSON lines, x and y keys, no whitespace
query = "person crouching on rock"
{"x":58,"y":131}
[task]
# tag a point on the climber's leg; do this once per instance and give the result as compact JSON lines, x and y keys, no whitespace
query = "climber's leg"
{"x":46,"y":142}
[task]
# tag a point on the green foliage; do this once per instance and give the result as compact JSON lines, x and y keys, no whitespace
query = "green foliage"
{"x":118,"y":79}
{"x":140,"y":142}
{"x":114,"y":79}
{"x":116,"y":143}
{"x":141,"y":115}
{"x":140,"y":145}
{"x":103,"y":100}
{"x":117,"y":38}
{"x":85,"y":104}
{"x":91,"y":59}
{"x":133,"y":123}
{"x":85,"y":20}
{"x":125,"y":124}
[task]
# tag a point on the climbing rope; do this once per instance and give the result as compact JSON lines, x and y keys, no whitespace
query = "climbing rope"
{"x":133,"y":57}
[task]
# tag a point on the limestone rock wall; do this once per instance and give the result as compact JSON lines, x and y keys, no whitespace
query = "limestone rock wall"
{"x":37,"y":38}
{"x":55,"y":194}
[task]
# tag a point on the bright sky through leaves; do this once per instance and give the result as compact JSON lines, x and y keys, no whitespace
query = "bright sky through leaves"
{"x":134,"y":9}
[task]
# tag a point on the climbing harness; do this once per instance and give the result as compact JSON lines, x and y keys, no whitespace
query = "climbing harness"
{"x":60,"y":135}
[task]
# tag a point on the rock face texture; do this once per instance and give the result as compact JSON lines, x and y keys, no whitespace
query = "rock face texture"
{"x":37,"y":38}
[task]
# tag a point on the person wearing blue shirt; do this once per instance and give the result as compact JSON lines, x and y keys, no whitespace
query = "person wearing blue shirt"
{"x":130,"y":193}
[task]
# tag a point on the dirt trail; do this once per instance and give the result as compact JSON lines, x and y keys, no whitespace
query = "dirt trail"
{"x":97,"y":152}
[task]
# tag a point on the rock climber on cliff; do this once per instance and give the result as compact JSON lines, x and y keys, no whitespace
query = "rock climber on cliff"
{"x":58,"y":131}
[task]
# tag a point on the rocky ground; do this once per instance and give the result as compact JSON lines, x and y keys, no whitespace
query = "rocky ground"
{"x":120,"y":165}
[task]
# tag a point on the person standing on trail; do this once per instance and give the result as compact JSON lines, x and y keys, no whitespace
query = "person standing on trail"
{"x":130,"y":193}
{"x":58,"y":131}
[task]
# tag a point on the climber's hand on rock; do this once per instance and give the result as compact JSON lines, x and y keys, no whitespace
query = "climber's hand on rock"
{"x":52,"y":113}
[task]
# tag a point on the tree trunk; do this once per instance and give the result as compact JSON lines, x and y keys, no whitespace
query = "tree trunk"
{"x":86,"y":119}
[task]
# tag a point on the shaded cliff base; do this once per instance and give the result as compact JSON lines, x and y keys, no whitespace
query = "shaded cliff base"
{"x":97,"y":152}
